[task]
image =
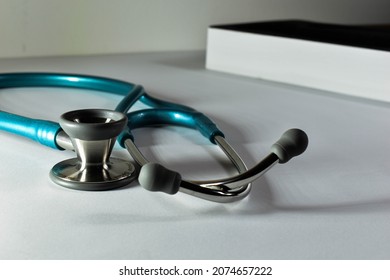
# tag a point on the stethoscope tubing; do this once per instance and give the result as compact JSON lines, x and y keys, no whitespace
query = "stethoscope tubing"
{"x":45,"y":132}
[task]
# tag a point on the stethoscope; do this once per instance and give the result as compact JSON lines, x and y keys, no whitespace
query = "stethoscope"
{"x":92,"y":133}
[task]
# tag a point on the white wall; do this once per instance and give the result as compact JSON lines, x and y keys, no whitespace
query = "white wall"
{"x":65,"y":27}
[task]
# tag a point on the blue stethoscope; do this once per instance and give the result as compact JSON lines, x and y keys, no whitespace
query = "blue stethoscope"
{"x":92,"y":133}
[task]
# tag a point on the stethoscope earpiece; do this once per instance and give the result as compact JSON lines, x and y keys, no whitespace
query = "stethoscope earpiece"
{"x":292,"y":143}
{"x":156,"y":178}
{"x":93,"y":133}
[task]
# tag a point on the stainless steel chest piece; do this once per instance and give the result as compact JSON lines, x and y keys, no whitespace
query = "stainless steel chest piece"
{"x":93,"y":133}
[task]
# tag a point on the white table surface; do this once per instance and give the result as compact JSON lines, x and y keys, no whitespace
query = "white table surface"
{"x":333,"y":202}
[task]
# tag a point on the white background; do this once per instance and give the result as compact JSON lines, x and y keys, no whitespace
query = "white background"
{"x":57,"y":27}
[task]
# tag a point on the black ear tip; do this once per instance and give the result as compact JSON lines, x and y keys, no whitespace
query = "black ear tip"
{"x":292,"y":143}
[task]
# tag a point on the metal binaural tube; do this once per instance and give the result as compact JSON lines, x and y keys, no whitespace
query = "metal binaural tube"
{"x":212,"y":190}
{"x":246,"y":177}
{"x":156,"y":177}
